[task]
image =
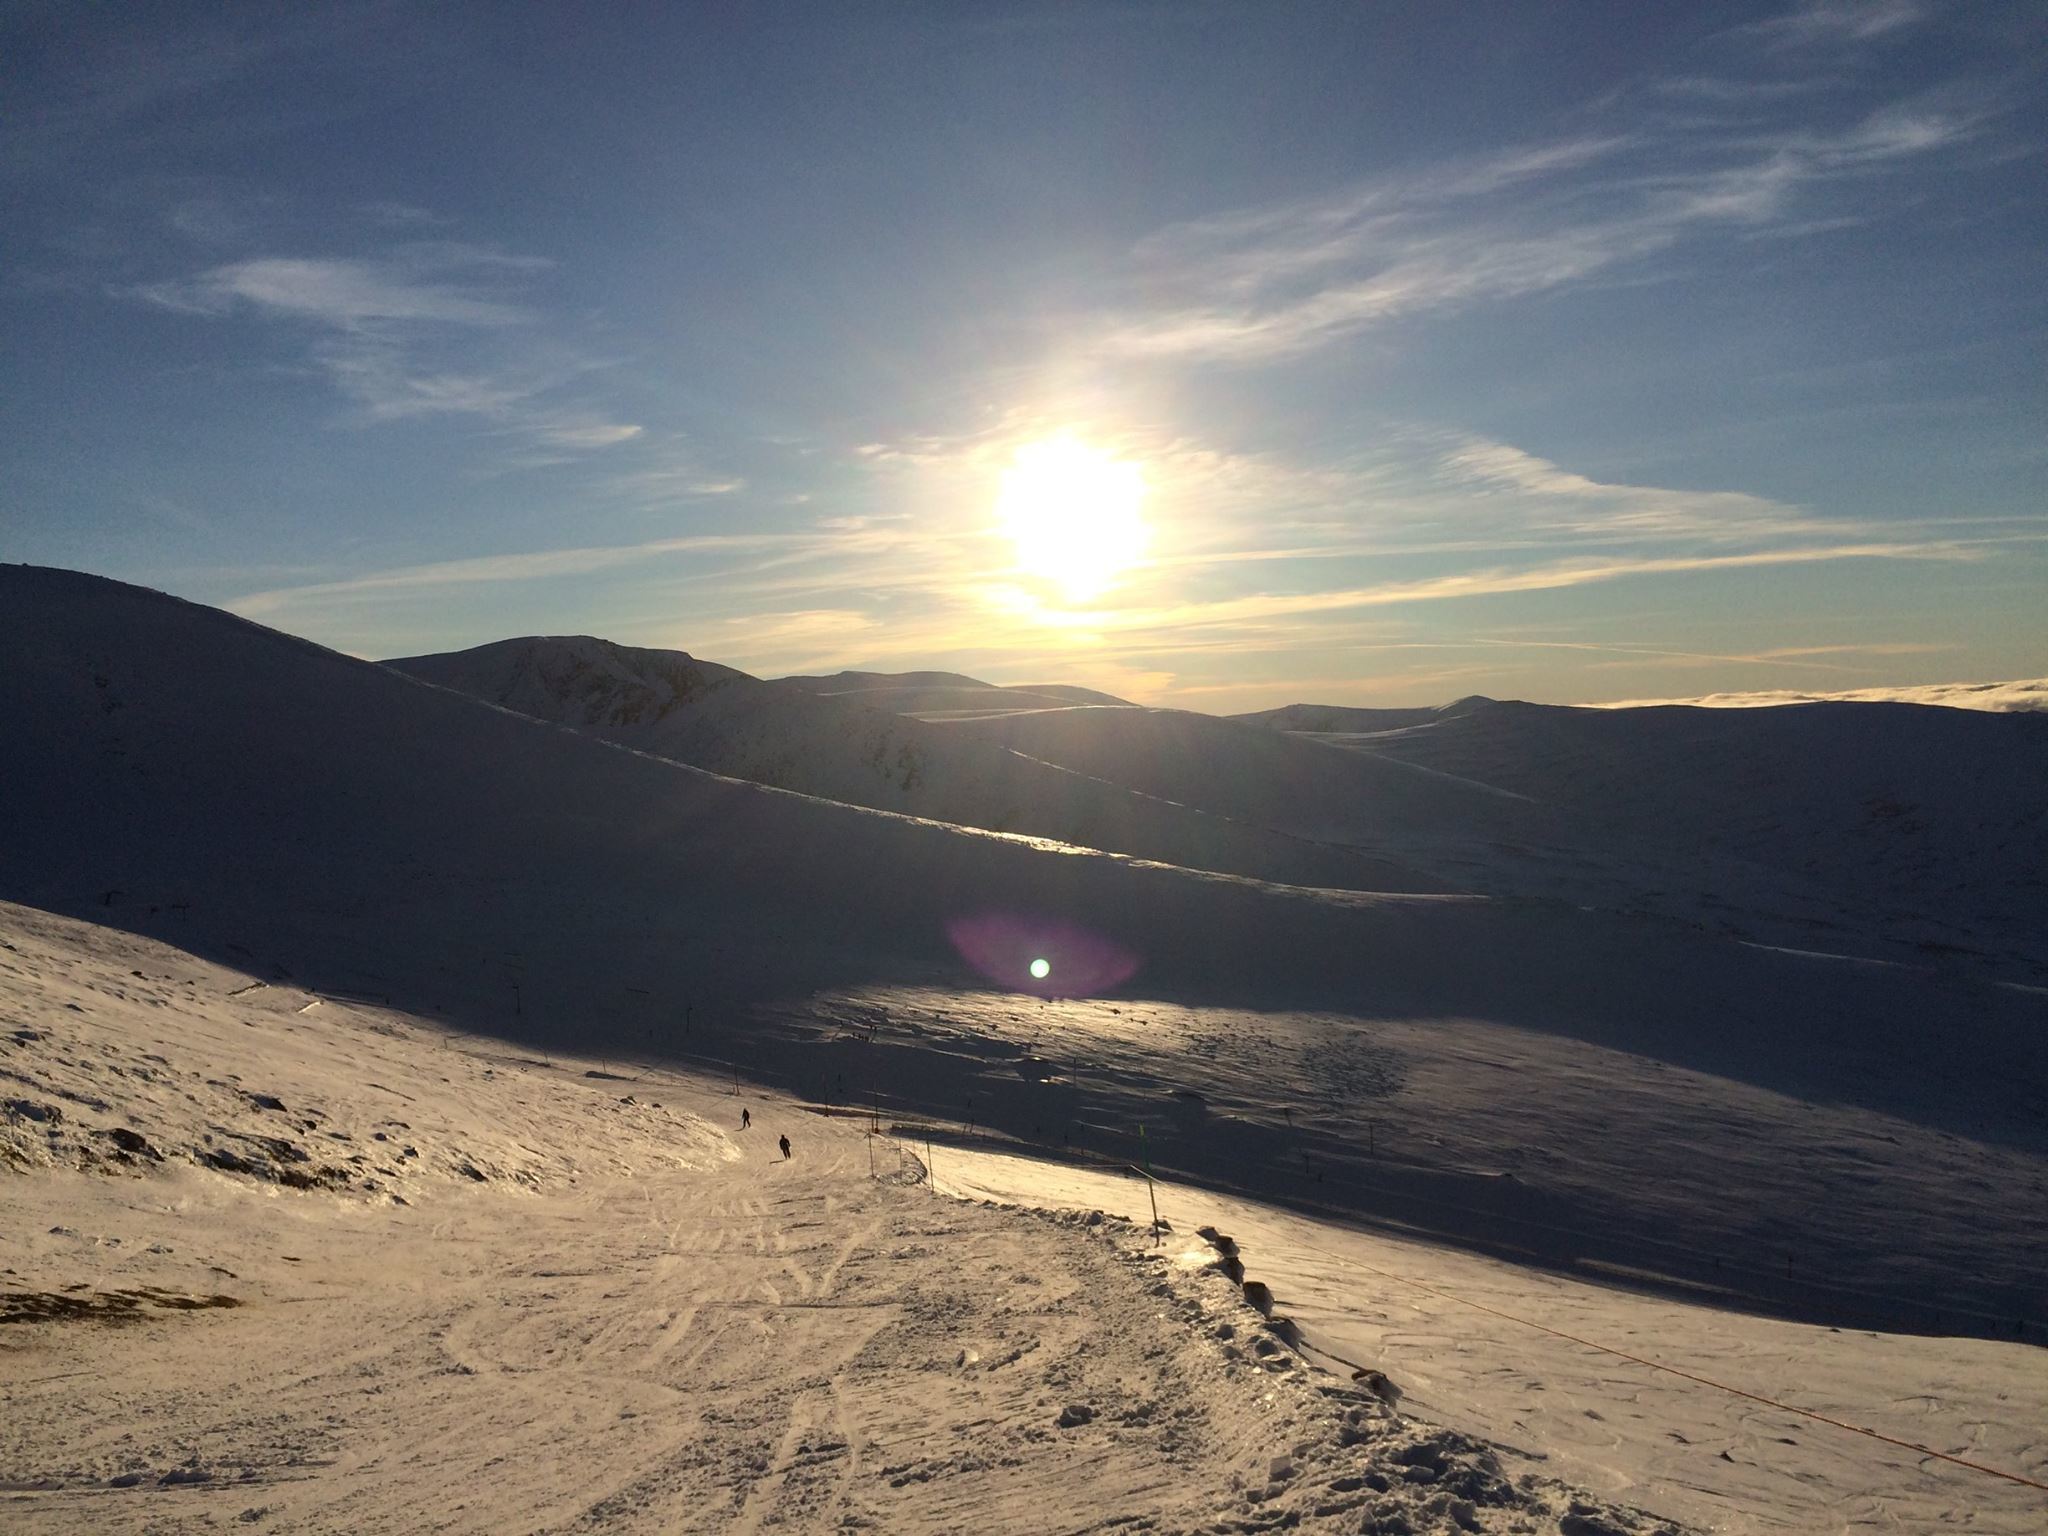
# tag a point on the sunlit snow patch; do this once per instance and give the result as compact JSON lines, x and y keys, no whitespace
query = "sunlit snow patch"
{"x":1046,"y":956}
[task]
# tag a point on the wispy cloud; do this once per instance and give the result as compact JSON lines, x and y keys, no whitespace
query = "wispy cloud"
{"x":1833,"y":22}
{"x":131,"y":75}
{"x":1416,"y":492}
{"x":1259,"y":557}
{"x":1552,"y":502}
{"x":538,"y":565}
{"x":352,"y":295}
{"x":672,"y":472}
{"x":403,"y":215}
{"x":384,"y":378}
{"x":914,"y":584}
{"x":1800,"y":656}
{"x":585,"y":433}
{"x":1722,"y":90}
{"x":420,"y":330}
{"x":1267,"y":283}
{"x":1867,"y":648}
{"x":1488,"y":582}
{"x":817,"y":604}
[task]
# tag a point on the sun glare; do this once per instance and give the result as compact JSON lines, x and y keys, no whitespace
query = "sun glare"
{"x":1073,"y":514}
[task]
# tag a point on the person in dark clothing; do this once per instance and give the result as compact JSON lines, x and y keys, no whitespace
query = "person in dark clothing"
{"x":785,"y":1147}
{"x":746,"y":1118}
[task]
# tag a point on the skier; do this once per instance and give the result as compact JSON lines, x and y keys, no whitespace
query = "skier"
{"x":746,"y":1119}
{"x":785,"y":1149}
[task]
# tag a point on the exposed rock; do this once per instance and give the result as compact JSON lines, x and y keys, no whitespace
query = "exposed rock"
{"x":132,"y":1143}
{"x":1378,"y":1385}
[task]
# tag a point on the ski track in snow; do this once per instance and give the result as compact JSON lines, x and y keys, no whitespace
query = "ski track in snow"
{"x":638,"y":1318}
{"x":641,"y":1318}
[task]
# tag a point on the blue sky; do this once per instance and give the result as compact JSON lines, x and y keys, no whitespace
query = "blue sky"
{"x":1568,"y":353}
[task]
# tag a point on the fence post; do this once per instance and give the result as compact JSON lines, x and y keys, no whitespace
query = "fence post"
{"x":1145,"y":1157}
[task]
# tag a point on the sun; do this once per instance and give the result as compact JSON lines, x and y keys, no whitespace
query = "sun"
{"x":1074,"y":514}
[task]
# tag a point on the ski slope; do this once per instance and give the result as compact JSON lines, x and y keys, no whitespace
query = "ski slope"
{"x":477,"y":1287}
{"x":460,"y":1287}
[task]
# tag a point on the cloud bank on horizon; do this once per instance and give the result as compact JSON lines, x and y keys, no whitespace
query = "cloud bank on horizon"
{"x":2019,"y":695}
{"x":1627,"y":354}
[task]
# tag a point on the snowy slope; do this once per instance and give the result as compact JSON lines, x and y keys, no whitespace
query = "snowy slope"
{"x":850,"y":745}
{"x":1265,"y":778}
{"x":483,"y":1288}
{"x":1412,"y":829}
{"x":1329,"y":719}
{"x":280,"y":1262}
{"x":1177,"y":787}
{"x":1705,"y":1415}
{"x":1471,"y":836}
{"x":1570,"y":1085}
{"x":1929,"y":825}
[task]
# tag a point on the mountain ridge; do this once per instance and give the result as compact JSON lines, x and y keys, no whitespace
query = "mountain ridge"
{"x":851,"y":747}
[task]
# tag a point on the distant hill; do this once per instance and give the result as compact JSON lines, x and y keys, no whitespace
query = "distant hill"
{"x":951,"y":695}
{"x":577,"y":679}
{"x":1875,"y":830}
{"x":1269,"y":779}
{"x":1339,"y":718}
{"x":849,"y":744}
{"x":1925,"y":824}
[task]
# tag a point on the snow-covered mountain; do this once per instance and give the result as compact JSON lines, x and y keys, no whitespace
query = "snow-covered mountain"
{"x":1268,"y":779}
{"x":579,"y":680}
{"x":1924,"y":825}
{"x":847,"y":741}
{"x":1855,"y":1141}
{"x":1168,"y":785}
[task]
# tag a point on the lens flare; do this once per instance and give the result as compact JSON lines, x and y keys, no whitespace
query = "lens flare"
{"x":1021,"y":951}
